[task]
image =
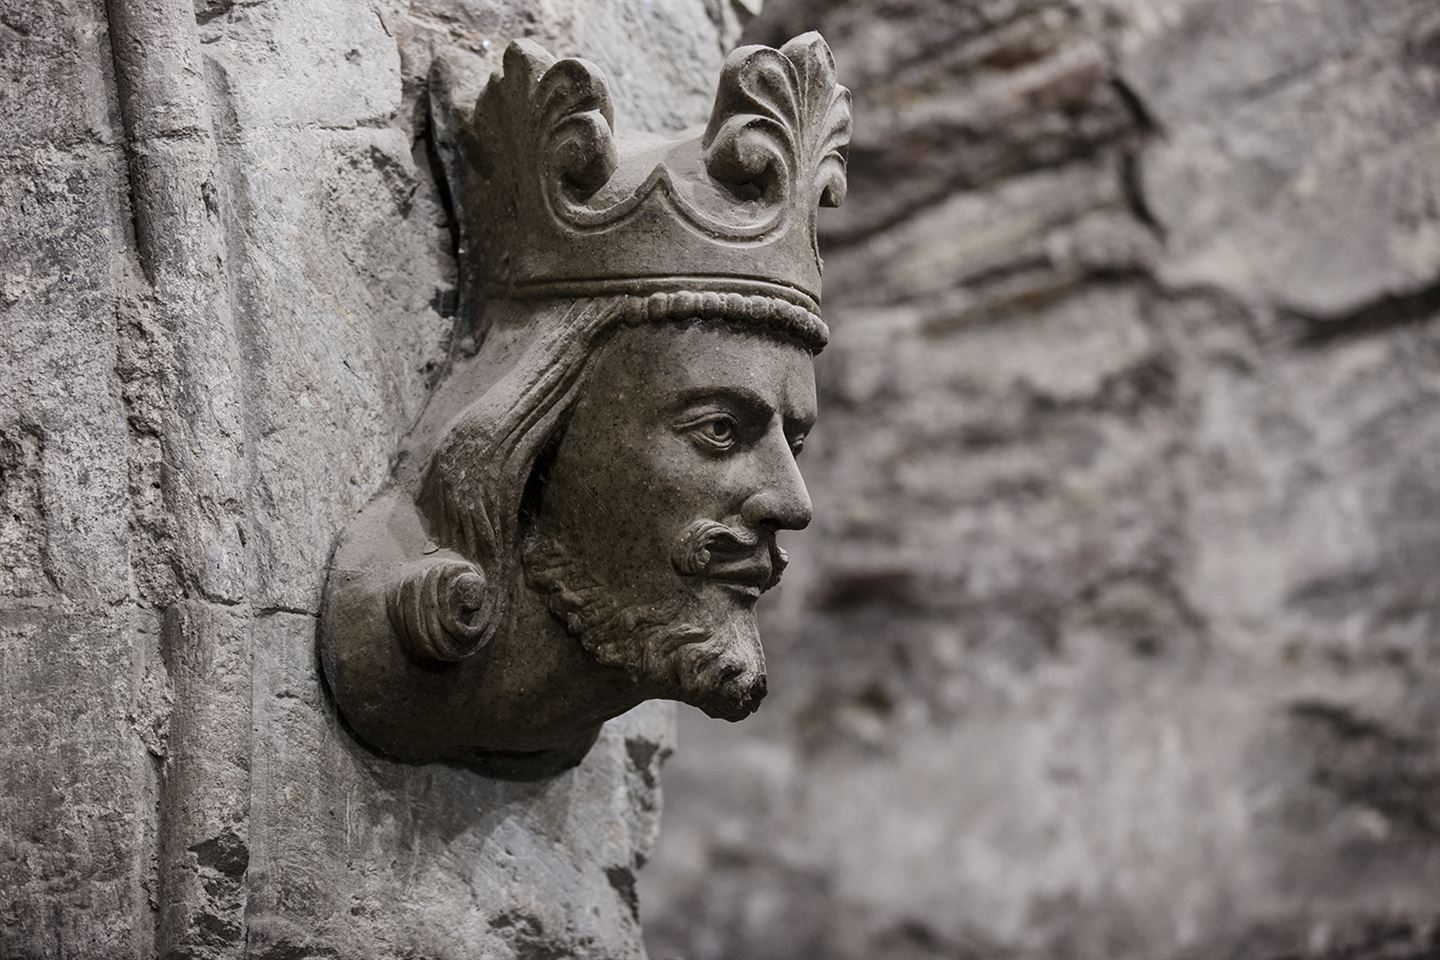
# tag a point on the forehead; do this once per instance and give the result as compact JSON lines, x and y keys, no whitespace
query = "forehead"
{"x":665,"y":360}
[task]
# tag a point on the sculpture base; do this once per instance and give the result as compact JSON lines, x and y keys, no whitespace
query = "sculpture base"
{"x":532,"y":765}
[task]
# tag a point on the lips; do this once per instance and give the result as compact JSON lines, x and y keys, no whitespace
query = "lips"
{"x":754,"y":574}
{"x":747,"y":560}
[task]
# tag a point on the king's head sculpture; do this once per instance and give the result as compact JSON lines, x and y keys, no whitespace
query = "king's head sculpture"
{"x":588,"y":516}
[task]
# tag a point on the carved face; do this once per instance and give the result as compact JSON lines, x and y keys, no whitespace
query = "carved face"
{"x":655,"y":531}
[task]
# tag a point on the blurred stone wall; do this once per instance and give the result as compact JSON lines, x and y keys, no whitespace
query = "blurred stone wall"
{"x":226,"y":289}
{"x":1118,"y":631}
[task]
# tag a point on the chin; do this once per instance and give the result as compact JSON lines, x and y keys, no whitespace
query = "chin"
{"x":734,"y":701}
{"x":724,"y":675}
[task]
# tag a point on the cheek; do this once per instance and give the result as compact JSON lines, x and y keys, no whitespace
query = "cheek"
{"x":684,"y":482}
{"x":664,"y":487}
{"x":619,"y":494}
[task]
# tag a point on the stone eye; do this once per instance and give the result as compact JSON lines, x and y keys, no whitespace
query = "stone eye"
{"x":719,"y":431}
{"x":712,"y":432}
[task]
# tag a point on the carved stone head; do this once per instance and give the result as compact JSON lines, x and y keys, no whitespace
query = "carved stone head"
{"x":590,"y":511}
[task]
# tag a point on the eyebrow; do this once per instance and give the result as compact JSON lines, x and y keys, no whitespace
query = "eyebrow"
{"x":751,"y":402}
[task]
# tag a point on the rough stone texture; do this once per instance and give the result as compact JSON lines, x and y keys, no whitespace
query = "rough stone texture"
{"x":226,"y":290}
{"x":1118,"y":632}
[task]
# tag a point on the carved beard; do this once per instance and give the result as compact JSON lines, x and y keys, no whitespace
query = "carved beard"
{"x":687,"y":644}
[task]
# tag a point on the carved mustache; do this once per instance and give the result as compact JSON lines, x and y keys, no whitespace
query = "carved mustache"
{"x":709,"y":548}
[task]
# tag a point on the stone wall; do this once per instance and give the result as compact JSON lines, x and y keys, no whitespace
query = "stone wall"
{"x":226,"y":290}
{"x":1118,"y":631}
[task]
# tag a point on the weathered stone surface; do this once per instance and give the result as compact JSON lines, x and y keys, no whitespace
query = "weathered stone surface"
{"x":226,"y":291}
{"x":1117,"y":634}
{"x":373,"y":858}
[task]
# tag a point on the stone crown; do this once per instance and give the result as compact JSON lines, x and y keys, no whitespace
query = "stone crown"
{"x":554,"y":205}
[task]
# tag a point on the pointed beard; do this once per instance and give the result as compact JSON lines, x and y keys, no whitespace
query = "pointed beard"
{"x":677,"y":647}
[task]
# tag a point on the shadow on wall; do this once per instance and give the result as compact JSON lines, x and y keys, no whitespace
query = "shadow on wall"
{"x":1118,"y":631}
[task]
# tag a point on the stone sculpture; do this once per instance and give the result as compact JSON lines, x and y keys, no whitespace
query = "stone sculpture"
{"x":592,"y":525}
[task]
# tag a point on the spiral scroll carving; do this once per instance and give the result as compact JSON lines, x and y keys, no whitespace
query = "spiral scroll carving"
{"x":442,"y":610}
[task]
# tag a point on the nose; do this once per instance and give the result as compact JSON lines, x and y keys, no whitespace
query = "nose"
{"x":779,"y":499}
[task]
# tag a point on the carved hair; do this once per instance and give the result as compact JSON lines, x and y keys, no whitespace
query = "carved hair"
{"x":669,"y":640}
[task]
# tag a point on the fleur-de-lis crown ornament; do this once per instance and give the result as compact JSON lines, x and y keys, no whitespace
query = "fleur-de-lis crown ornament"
{"x":717,"y":220}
